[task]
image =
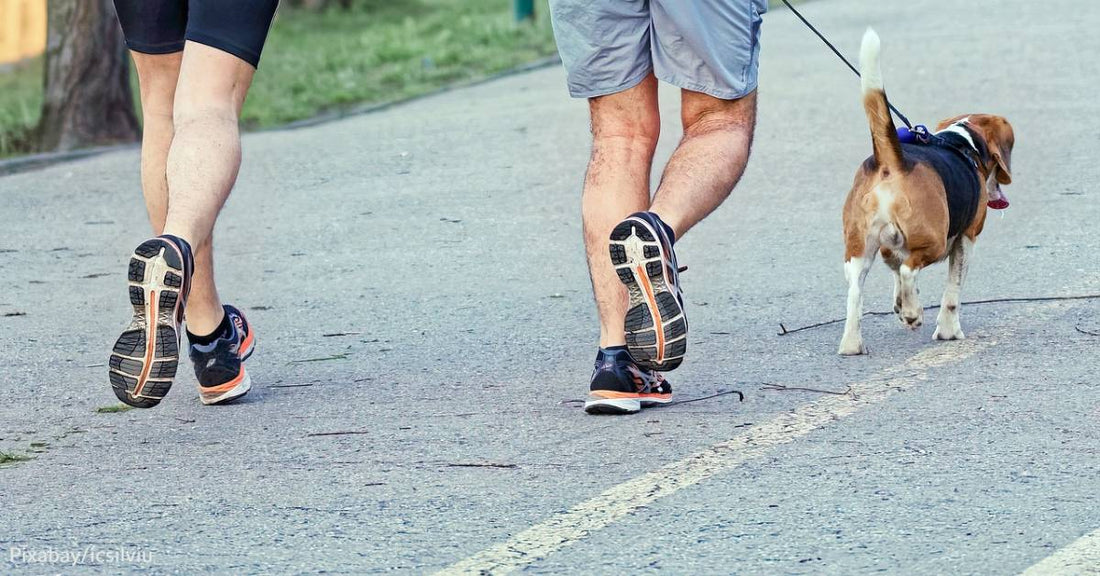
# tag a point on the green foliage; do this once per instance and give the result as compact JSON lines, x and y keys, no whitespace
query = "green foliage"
{"x":20,"y":105}
{"x":317,"y":61}
{"x":382,"y":50}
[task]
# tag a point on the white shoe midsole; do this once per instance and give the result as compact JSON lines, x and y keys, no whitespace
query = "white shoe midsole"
{"x":237,"y":391}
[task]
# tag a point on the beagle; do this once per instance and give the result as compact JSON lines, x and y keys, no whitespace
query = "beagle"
{"x":918,"y":204}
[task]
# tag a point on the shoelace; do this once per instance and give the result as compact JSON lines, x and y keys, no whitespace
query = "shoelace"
{"x":652,"y":380}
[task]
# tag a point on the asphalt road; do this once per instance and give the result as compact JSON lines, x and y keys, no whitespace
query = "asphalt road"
{"x":425,"y":330}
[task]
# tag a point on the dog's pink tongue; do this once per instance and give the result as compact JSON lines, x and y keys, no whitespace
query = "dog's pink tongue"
{"x":998,"y":200}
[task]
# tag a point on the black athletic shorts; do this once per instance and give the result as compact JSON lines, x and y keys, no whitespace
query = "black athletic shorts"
{"x":238,"y":27}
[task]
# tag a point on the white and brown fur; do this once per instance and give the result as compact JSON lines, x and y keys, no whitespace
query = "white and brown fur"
{"x":899,"y":208}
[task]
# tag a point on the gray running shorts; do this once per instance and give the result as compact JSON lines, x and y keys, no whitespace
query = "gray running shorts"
{"x":710,"y":46}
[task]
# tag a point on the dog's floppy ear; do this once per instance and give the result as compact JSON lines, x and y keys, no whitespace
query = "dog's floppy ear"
{"x":1003,"y":157}
{"x":945,"y":123}
{"x":1000,"y":138}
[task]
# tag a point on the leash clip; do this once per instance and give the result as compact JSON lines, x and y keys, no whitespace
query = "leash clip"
{"x":919,"y":134}
{"x":922,"y":133}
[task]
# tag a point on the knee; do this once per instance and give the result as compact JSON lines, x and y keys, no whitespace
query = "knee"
{"x":636,"y":128}
{"x":157,"y":101}
{"x":708,"y":115}
{"x":205,"y":104}
{"x":187,"y":112}
{"x":157,"y":78}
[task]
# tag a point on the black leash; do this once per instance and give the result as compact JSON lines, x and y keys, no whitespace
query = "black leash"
{"x":845,"y":60}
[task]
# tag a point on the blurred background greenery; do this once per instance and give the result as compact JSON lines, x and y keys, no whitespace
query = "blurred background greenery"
{"x":20,"y":104}
{"x":323,"y":56}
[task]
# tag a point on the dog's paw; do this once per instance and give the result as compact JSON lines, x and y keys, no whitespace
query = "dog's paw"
{"x":852,"y":348}
{"x":912,"y":321}
{"x":944,"y":332}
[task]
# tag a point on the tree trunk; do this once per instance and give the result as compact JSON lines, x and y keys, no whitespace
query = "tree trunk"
{"x":87,"y":86}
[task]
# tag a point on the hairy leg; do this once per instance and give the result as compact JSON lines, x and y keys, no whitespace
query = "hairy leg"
{"x":709,"y":161}
{"x":157,"y":78}
{"x":158,"y":75}
{"x":203,"y":162}
{"x":625,"y":128}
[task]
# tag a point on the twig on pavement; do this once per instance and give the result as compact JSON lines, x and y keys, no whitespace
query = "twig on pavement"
{"x":480,"y":465}
{"x":784,"y":388}
{"x":740,"y":398}
{"x":1083,"y":331}
{"x":322,"y":359}
{"x":340,"y":433}
{"x":783,"y":331}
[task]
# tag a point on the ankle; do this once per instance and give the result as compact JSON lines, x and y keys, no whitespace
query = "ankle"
{"x":188,"y":236}
{"x":224,"y":330}
{"x":609,"y":342}
{"x":180,"y":241}
{"x":669,"y":226}
{"x":204,"y":321}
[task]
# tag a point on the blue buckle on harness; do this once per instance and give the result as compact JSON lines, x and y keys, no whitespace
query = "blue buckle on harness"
{"x":918,"y":135}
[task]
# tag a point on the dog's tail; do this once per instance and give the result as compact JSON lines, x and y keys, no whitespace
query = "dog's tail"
{"x":884,"y":135}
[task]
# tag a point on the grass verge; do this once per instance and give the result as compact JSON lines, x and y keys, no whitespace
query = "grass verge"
{"x":317,"y":62}
{"x":20,"y":104}
{"x":383,"y":50}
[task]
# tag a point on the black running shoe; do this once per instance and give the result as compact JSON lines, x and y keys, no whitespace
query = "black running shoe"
{"x":219,"y":366}
{"x":656,"y":327}
{"x":619,"y":386}
{"x":144,"y":359}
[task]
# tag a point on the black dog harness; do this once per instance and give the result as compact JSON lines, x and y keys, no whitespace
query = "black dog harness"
{"x":956,"y":162}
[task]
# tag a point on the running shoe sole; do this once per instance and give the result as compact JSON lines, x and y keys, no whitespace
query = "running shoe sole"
{"x":639,"y":261}
{"x":145,"y":357}
{"x":227,"y":392}
{"x":608,"y":402}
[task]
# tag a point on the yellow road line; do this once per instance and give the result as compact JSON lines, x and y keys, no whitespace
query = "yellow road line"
{"x":564,"y":529}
